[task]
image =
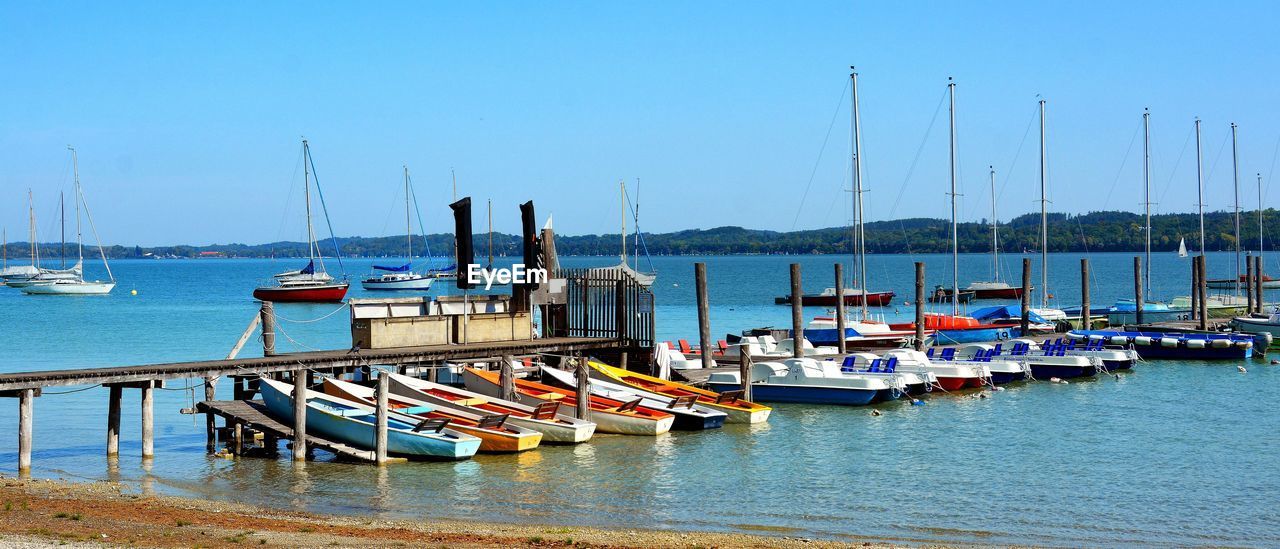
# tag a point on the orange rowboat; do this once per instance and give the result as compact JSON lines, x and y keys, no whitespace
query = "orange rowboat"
{"x":544,"y":418}
{"x":494,"y":434}
{"x":739,"y":411}
{"x":610,"y":416}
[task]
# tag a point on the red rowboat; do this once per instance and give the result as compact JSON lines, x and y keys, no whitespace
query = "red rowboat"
{"x":323,"y":293}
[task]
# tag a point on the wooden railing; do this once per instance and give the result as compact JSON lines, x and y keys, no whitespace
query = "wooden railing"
{"x":608,"y":304}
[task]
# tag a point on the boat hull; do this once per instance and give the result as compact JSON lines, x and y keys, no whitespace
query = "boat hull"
{"x":1003,"y":378}
{"x":1061,"y":371}
{"x":1256,"y":326}
{"x":763,"y":392}
{"x":1002,"y":293}
{"x":975,"y":335}
{"x":606,"y":421}
{"x":86,"y":288}
{"x":738,"y":412}
{"x":328,"y":293}
{"x":557,"y":431}
{"x":874,"y":299}
{"x":415,"y":284}
{"x":958,"y":383}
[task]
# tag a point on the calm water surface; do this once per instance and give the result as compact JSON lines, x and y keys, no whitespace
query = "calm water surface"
{"x":1171,"y":453}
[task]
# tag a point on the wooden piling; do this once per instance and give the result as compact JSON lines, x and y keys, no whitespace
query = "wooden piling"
{"x":113,"y":419}
{"x":380,"y":440}
{"x":299,"y":414}
{"x":148,"y":420}
{"x":507,"y":379}
{"x":1195,"y":287}
{"x":583,"y":403}
{"x":1248,"y":282}
{"x":1084,"y":293}
{"x":268,"y":314}
{"x":1204,"y":294}
{"x":797,"y":313}
{"x":26,"y":410}
{"x":1137,"y":289}
{"x":840,"y":321}
{"x":744,"y":370}
{"x":1025,"y":324}
{"x":919,"y":305}
{"x":704,"y":314}
{"x":210,"y":431}
{"x":620,"y":310}
{"x":1258,"y":280}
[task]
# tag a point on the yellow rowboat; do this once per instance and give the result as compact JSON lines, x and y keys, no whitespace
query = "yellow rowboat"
{"x":739,"y":411}
{"x":494,"y":434}
{"x":555,"y":427}
{"x":610,"y":415}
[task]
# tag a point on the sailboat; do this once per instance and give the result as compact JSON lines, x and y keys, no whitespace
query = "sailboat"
{"x":401,"y":277}
{"x":310,"y":283}
{"x":30,"y":275}
{"x":1240,"y":280}
{"x":1051,"y":315}
{"x":994,"y":288}
{"x":71,"y":281}
{"x":644,"y":279}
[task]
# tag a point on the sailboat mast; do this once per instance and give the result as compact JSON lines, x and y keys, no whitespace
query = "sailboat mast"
{"x":622,"y":194}
{"x":31,"y":230}
{"x":408,"y":219}
{"x":306,"y":193}
{"x":860,"y":242}
{"x":995,"y":230}
{"x":62,"y":207}
{"x":75,"y":170}
{"x":1044,"y":216}
{"x":1146,"y":180}
{"x":453,"y":176}
{"x":491,"y":233}
{"x":1235,"y":177}
{"x":1259,"y":215}
{"x":636,"y":248}
{"x":955,"y":236}
{"x":1200,"y":184}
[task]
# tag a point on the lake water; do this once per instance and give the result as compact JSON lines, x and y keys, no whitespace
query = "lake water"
{"x":1172,"y":453}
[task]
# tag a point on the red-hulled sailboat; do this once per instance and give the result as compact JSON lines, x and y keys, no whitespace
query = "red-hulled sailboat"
{"x":310,"y":283}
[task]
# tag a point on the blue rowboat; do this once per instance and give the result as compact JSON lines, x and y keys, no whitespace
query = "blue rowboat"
{"x":355,"y":424}
{"x":1175,"y":345}
{"x":975,"y":335}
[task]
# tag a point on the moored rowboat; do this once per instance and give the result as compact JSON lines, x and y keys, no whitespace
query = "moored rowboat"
{"x":555,"y":427}
{"x":739,"y":411}
{"x":610,"y":416}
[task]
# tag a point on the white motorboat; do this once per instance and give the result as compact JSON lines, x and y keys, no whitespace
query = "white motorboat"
{"x":869,"y":364}
{"x":810,"y":381}
{"x":951,"y":375}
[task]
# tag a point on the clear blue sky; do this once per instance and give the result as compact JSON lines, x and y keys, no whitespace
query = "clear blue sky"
{"x":188,"y":117}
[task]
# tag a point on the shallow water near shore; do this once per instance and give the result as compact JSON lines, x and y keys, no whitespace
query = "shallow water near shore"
{"x":1172,"y":453}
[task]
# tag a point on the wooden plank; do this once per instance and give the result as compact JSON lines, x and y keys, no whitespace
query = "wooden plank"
{"x":253,"y":414}
{"x":11,"y":382}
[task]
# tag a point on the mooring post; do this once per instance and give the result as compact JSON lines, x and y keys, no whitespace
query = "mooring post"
{"x":210,"y":431}
{"x":840,"y":322}
{"x":268,"y":315}
{"x":744,"y":370}
{"x":1137,"y":289}
{"x":148,"y":419}
{"x":1248,"y":282}
{"x":1203,"y":294}
{"x":797,"y":313}
{"x":26,"y":409}
{"x":1258,"y":279}
{"x":1195,"y":287}
{"x":113,"y":419}
{"x":584,"y":389}
{"x":704,"y":314}
{"x":507,"y":379}
{"x":299,"y":415}
{"x":1084,"y":293}
{"x":620,"y":310}
{"x":1025,"y":323}
{"x":919,"y":306}
{"x":380,"y":442}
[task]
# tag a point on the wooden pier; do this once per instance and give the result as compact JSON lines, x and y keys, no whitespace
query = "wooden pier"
{"x":252,"y":414}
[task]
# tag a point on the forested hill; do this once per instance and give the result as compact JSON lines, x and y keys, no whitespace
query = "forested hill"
{"x":1095,"y":232}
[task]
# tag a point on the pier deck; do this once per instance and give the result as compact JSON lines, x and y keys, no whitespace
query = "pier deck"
{"x":253,"y":414}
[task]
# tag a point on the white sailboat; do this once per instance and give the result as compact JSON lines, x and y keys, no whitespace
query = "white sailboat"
{"x":1182,"y":248}
{"x":644,"y":279}
{"x":402,"y":277}
{"x":30,"y":275}
{"x":78,"y":285}
{"x":994,"y":288}
{"x":1044,"y":311}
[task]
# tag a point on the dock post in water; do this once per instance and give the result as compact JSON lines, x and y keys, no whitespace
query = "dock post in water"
{"x":744,"y":370}
{"x":797,"y":313}
{"x":1195,"y":287}
{"x":704,"y":315}
{"x":299,"y":413}
{"x":210,"y":436}
{"x":919,"y":306}
{"x":1137,"y":288}
{"x":507,"y":379}
{"x":620,"y":319}
{"x":1258,"y":280}
{"x":1025,"y":324}
{"x":380,"y":441}
{"x":1248,"y":282}
{"x":113,"y":419}
{"x":1204,"y":294}
{"x":1084,"y":293}
{"x":148,"y":419}
{"x":581,"y":374}
{"x":268,"y":315}
{"x":26,"y":409}
{"x":840,"y":322}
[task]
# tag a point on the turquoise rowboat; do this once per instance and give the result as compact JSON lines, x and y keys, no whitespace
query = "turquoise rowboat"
{"x":355,"y":424}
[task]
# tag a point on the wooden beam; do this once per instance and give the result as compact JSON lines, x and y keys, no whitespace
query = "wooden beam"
{"x":148,"y":422}
{"x":299,"y":417}
{"x":26,"y":409}
{"x":380,"y":439}
{"x":113,"y":420}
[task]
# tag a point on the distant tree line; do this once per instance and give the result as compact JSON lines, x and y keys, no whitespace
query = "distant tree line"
{"x":1095,"y":232}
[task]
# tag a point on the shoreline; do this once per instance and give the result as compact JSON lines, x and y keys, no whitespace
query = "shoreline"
{"x":36,"y":513}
